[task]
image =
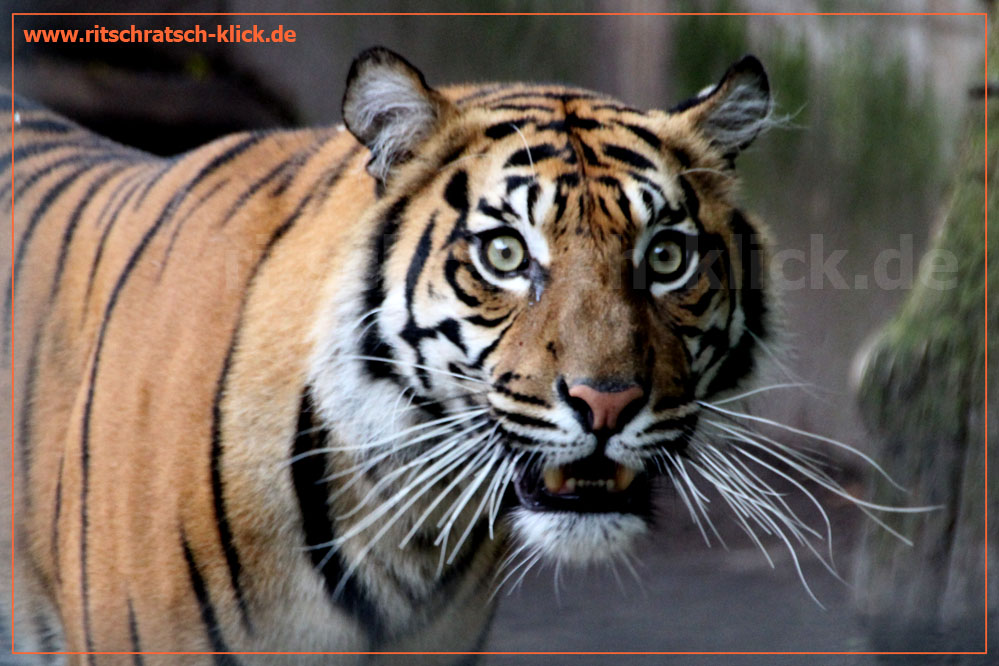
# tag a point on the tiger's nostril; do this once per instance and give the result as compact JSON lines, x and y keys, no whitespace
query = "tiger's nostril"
{"x":602,"y":409}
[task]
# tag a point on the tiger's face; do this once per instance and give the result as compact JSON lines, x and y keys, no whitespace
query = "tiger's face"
{"x":556,"y":280}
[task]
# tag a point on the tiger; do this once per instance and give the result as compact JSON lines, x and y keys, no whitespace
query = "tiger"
{"x":317,"y":390}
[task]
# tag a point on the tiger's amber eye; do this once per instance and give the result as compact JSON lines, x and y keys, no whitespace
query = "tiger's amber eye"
{"x":506,"y":253}
{"x":666,"y":258}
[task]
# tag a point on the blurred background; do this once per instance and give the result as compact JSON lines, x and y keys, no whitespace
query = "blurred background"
{"x":878,"y":111}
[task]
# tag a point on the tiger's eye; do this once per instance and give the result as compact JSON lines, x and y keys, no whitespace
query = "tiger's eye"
{"x":666,"y":258}
{"x":506,"y":253}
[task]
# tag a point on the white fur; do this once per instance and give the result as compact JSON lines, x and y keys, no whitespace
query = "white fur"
{"x":393,"y":111}
{"x":577,"y":538}
{"x":743,"y":112}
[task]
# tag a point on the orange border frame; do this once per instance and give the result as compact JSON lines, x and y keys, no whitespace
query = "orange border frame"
{"x":986,"y":468}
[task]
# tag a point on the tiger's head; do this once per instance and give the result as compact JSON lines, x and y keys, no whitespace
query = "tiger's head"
{"x":549,"y":283}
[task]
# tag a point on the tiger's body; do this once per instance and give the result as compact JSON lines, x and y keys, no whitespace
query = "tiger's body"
{"x":218,"y":358}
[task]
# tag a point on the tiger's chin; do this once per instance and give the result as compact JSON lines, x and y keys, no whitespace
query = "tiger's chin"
{"x":576,"y":538}
{"x":588,"y":511}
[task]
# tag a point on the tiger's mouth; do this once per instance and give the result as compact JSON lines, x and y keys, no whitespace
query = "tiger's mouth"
{"x":595,"y":484}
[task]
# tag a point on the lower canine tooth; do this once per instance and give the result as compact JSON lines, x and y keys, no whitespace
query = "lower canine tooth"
{"x":570,"y":485}
{"x":553,"y":479}
{"x":623,"y":476}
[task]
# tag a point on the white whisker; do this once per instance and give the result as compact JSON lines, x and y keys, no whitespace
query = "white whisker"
{"x":804,"y":433}
{"x":757,"y":390}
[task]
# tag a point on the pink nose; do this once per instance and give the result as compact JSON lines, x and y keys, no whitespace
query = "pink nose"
{"x":605,"y":407}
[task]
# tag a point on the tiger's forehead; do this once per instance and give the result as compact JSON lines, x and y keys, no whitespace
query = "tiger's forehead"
{"x":564,"y":150}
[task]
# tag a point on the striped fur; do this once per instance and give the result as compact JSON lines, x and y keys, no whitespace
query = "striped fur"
{"x":225,"y":363}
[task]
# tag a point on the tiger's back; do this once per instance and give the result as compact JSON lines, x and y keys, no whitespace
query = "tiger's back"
{"x":158,"y":255}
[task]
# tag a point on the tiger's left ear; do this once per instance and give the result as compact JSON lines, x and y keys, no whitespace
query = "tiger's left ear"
{"x":735,"y":110}
{"x":390,"y":108}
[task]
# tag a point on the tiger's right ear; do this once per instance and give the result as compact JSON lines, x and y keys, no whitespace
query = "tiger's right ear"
{"x":390,"y":108}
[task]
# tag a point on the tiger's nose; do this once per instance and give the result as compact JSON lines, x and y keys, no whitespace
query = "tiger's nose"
{"x":605,"y":407}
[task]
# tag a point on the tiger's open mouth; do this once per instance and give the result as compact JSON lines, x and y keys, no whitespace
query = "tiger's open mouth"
{"x":595,"y":484}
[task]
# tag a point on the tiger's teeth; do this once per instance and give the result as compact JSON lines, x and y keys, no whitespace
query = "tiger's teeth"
{"x":554,"y":477}
{"x":570,"y":486}
{"x":623,"y":476}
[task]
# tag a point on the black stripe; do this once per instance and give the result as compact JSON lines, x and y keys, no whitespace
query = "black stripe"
{"x":682,"y":156}
{"x":412,"y":333}
{"x":418,"y":261}
{"x":84,"y":151}
{"x":451,"y":266}
{"x":629,"y":157}
{"x":521,"y":397}
{"x":133,"y":634}
{"x":103,"y":240}
{"x":672,"y":401}
{"x":56,"y":512}
{"x":532,"y":198}
{"x":525,"y":420}
{"x":46,"y":124}
{"x":700,"y":306}
{"x":564,"y":97}
{"x":74,"y":220}
{"x":46,"y":201}
{"x":151,"y":183}
{"x":522,"y":107}
{"x":573,"y":122}
{"x":89,"y":143}
{"x":479,"y":320}
{"x":288,"y":168}
{"x":751,"y":298}
{"x":515,"y":181}
{"x":493,"y":212}
{"x":168,"y":211}
{"x":218,"y":491}
{"x":222,"y":183}
{"x":313,"y":493}
{"x":293,"y":165}
{"x":332,"y":175}
{"x":685,"y":424}
{"x":532,"y":155}
{"x":226,"y":539}
{"x":251,"y":190}
{"x":208,"y":618}
{"x":456,"y":191}
{"x":24,"y":429}
{"x":645,"y":135}
{"x":372,"y":344}
{"x":512,"y":436}
{"x":27,"y":403}
{"x":500,"y":130}
{"x":618,"y":108}
{"x":590,"y":156}
{"x":481,"y":358}
{"x":451,"y":330}
{"x":690,"y":200}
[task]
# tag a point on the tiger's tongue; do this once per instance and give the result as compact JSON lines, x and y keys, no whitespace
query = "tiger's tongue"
{"x":589,"y":474}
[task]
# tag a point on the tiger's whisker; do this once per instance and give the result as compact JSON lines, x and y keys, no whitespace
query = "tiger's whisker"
{"x":760,"y":389}
{"x":418,"y":366}
{"x":804,"y":433}
{"x":478,"y":511}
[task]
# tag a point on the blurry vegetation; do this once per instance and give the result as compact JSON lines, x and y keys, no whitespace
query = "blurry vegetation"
{"x":858,"y":125}
{"x":923,"y":395}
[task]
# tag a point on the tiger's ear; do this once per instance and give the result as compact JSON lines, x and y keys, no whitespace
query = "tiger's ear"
{"x":390,"y":108}
{"x":732,"y":112}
